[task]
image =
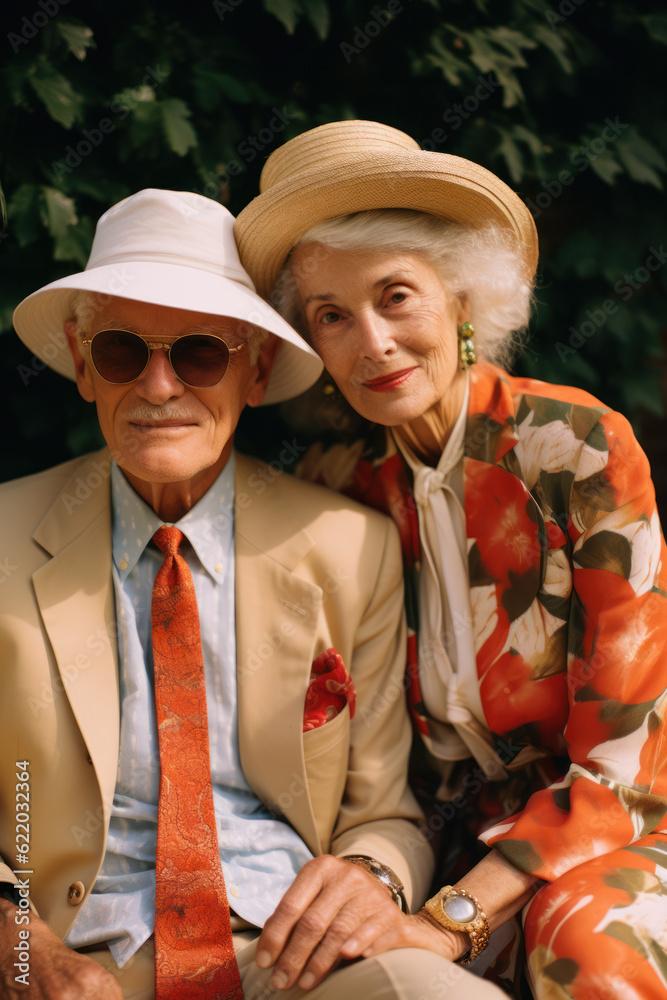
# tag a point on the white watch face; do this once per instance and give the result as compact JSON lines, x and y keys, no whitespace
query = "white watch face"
{"x":460,"y":909}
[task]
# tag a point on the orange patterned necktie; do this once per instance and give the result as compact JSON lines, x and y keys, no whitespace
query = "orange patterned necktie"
{"x":194,"y":953}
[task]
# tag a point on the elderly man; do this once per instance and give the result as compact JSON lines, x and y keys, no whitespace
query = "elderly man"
{"x":203,"y":730}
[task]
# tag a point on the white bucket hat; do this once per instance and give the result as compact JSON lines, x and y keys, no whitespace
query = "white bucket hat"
{"x":174,"y":249}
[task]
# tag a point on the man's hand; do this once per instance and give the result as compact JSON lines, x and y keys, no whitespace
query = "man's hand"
{"x":418,"y":931}
{"x":329,"y":901}
{"x":56,"y":972}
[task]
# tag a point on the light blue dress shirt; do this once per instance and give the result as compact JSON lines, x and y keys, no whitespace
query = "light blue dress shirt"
{"x":260,"y":854}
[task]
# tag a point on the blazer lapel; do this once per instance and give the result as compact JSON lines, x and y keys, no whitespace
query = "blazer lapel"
{"x":74,"y":591}
{"x":276,"y":622}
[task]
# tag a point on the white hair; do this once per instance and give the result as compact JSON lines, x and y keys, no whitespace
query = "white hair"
{"x":85,"y":305}
{"x":483,"y":265}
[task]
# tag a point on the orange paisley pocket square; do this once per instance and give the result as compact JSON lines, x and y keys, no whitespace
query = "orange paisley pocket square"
{"x":329,"y":688}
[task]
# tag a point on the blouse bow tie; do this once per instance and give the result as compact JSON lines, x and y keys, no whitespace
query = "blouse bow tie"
{"x":428,"y":481}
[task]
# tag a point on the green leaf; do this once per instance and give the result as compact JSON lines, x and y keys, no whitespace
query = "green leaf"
{"x":59,"y":212}
{"x":641,"y":393}
{"x":499,"y":50}
{"x":287,"y":12}
{"x":144,"y":136}
{"x":211,"y":87}
{"x":180,"y":134}
{"x":14,"y":78}
{"x":512,"y":41}
{"x":77,"y":37}
{"x":656,"y":25}
{"x":3,"y":210}
{"x":606,"y":166}
{"x":534,"y":143}
{"x":639,"y":158}
{"x":61,"y":101}
{"x":609,"y":550}
{"x":511,"y":154}
{"x":451,"y":67}
{"x":562,"y":971}
{"x":129,"y":99}
{"x":75,"y":243}
{"x":24,"y":214}
{"x":553,"y":40}
{"x":317,"y":12}
{"x":622,"y":324}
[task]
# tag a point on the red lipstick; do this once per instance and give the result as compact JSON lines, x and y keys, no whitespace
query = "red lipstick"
{"x":386,"y":383}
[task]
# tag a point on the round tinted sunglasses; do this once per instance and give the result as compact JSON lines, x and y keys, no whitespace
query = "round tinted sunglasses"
{"x":199,"y":360}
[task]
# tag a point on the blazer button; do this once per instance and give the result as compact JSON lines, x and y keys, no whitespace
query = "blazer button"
{"x":75,"y":893}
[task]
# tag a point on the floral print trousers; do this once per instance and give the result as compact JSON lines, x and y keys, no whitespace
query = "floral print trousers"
{"x":599,"y":931}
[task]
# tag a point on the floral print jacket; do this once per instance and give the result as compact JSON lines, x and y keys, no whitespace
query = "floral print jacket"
{"x":568,"y":590}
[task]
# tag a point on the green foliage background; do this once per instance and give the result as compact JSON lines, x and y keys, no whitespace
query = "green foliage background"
{"x":100,"y":100}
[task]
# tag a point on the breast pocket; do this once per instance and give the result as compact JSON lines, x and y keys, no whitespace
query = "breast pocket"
{"x":326,"y":752}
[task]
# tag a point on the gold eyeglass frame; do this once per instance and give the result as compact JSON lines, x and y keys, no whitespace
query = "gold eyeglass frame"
{"x":160,"y":346}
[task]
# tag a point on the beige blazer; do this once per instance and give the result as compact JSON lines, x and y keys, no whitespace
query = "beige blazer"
{"x":312,"y":570}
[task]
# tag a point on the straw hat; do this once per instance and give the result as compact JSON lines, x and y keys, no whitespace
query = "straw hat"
{"x":174,"y":249}
{"x":354,"y":166}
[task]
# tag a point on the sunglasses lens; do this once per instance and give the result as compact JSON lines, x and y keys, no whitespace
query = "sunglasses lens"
{"x":199,"y":360}
{"x":119,"y":356}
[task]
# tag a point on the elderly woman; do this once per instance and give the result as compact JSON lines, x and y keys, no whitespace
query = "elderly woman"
{"x":535,"y":572}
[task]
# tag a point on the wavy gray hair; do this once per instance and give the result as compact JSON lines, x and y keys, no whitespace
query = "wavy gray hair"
{"x":483,"y":265}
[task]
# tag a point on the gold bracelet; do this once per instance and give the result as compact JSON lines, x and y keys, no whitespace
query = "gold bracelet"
{"x":458,"y":910}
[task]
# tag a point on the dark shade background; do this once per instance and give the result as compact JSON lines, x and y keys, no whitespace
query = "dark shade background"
{"x":564,"y":101}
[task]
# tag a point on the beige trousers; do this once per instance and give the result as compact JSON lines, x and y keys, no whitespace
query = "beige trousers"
{"x":407,"y":974}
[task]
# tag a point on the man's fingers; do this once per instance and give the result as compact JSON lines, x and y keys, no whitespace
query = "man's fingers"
{"x":280,"y":925}
{"x":412,"y":932}
{"x":345,"y":927}
{"x":395,"y":937}
{"x":362,"y":937}
{"x":311,"y":931}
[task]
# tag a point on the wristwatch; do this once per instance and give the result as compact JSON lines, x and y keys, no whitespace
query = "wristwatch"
{"x":458,"y":910}
{"x":383,"y":874}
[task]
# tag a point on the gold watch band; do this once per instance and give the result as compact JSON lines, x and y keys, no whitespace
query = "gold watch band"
{"x":458,"y":910}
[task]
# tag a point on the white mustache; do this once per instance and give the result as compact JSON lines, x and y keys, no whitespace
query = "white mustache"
{"x":156,"y":414}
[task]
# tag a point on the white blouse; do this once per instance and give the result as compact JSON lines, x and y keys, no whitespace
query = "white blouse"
{"x":447,"y":661}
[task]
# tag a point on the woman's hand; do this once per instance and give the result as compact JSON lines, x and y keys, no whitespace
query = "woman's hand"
{"x":502,"y":890}
{"x":418,"y":931}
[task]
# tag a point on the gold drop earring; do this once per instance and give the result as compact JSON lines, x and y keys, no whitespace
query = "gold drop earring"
{"x":467,"y":353}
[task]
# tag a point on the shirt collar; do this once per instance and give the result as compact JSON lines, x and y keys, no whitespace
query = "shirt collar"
{"x":208,"y":526}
